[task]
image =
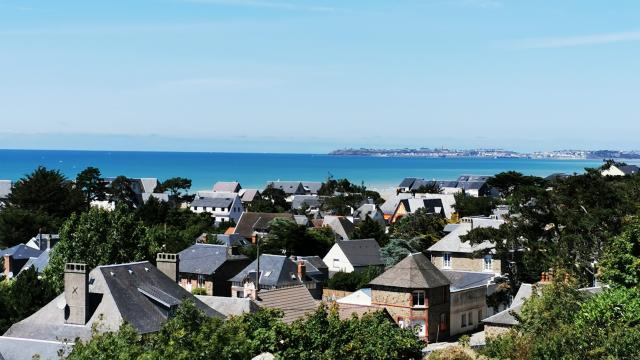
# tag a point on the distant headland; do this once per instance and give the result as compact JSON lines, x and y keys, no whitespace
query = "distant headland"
{"x":491,"y":153}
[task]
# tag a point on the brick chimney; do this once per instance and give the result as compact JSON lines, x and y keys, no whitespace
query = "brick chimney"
{"x":76,"y":293}
{"x":7,"y":265}
{"x":302,"y":269}
{"x":169,"y":264}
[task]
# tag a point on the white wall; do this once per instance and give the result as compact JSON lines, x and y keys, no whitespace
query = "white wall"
{"x":342,"y":263}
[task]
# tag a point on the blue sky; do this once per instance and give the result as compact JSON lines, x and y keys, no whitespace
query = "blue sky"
{"x":310,"y":76}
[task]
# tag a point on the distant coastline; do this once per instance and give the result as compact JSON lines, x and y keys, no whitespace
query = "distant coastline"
{"x":491,"y":153}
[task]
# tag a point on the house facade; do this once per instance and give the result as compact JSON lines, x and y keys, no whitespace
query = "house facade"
{"x":416,"y":295}
{"x":223,"y":208}
{"x":353,"y":255}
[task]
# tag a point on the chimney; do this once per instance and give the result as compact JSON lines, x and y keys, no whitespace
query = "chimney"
{"x":7,"y":266}
{"x":232,"y":250}
{"x":302,"y":269}
{"x":76,"y":293}
{"x":169,"y":264}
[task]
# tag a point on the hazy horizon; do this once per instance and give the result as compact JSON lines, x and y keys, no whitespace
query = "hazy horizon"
{"x":311,"y":76}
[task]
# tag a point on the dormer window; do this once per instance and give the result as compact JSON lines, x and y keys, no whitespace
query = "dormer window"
{"x":446,"y":260}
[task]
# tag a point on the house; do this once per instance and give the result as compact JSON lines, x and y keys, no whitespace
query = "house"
{"x":226,"y":207}
{"x":416,"y":295}
{"x":371,"y":211}
{"x":390,"y":205}
{"x":353,"y":255}
{"x":254,"y":224}
{"x":102,"y":300}
{"x":310,"y":202}
{"x":230,"y":306}
{"x":229,"y":240}
{"x":249,"y":195}
{"x":468,"y":298}
{"x":620,"y":170}
{"x":452,"y":253}
{"x":16,"y":257}
{"x":315,"y":267}
{"x":311,"y":187}
{"x":341,"y":226}
{"x":276,"y":271}
{"x":227,"y":186}
{"x":143,"y":188}
{"x":474,"y":185}
{"x":38,"y":263}
{"x":289,"y":187}
{"x":5,"y":191}
{"x":409,"y":206}
{"x":295,"y":302}
{"x":43,"y":241}
{"x":448,"y":203}
{"x":210,"y":267}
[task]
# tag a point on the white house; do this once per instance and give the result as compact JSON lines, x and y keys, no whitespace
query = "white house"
{"x":353,"y":255}
{"x":225,"y":207}
{"x":620,"y":170}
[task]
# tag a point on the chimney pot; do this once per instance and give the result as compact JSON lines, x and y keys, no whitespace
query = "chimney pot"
{"x":169,"y":264}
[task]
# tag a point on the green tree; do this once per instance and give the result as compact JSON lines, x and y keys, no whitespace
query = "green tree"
{"x":121,"y":192}
{"x":398,"y":249}
{"x":287,"y":237}
{"x":467,"y":205}
{"x":370,"y":229}
{"x":508,"y":182}
{"x":621,"y":260}
{"x":419,"y":224}
{"x":176,"y":186}
{"x":19,"y":225}
{"x":428,"y":188}
{"x":271,"y":200}
{"x":354,"y":280}
{"x":100,"y":237}
{"x":93,"y":187}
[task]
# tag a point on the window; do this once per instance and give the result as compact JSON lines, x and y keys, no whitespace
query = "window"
{"x":479,"y":316}
{"x":446,"y":260}
{"x":200,"y":281}
{"x":488,"y":262}
{"x":470,"y":318}
{"x":336,"y":263}
{"x":418,"y":298}
{"x":240,"y":294}
{"x":463,"y":321}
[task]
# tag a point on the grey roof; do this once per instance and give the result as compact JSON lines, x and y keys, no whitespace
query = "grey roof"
{"x":629,"y":169}
{"x":364,"y":252}
{"x":229,"y":306}
{"x":454,"y":244}
{"x":20,"y":252}
{"x":407,"y":182}
{"x":289,"y":187}
{"x":248,"y":195}
{"x":315,"y":261}
{"x":275,"y":270}
{"x":227,"y":186}
{"x":312,"y":187}
{"x":414,"y":272}
{"x":391,"y":204}
{"x":474,"y":178}
{"x":205,"y":258}
{"x":295,"y":302}
{"x":506,"y":317}
{"x":148,"y":184}
{"x":257,"y":221}
{"x":26,"y":349}
{"x":301,"y":220}
{"x":450,"y":227}
{"x":232,"y":239}
{"x":461,"y":280}
{"x":433,"y":206}
{"x":42,"y":241}
{"x":39,"y":263}
{"x":216,"y":202}
{"x":5,"y":188}
{"x":340,"y":225}
{"x":300,"y":200}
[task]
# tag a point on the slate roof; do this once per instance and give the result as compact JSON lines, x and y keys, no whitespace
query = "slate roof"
{"x":27,"y":349}
{"x":414,"y":272}
{"x":248,"y":195}
{"x":629,"y":169}
{"x":289,"y":187}
{"x":310,"y":200}
{"x":205,"y":259}
{"x":39,"y":263}
{"x":296,"y":302}
{"x":229,"y":306}
{"x":276,"y":270}
{"x":218,"y":202}
{"x":454,"y":244}
{"x":364,"y":252}
{"x":461,"y":280}
{"x":301,"y":220}
{"x":41,"y":241}
{"x":227,"y":186}
{"x":250,"y":221}
{"x":232,"y":239}
{"x":5,"y":188}
{"x":312,"y":187}
{"x":391,"y":204}
{"x":340,"y":225}
{"x":20,"y":252}
{"x":407,"y":182}
{"x":433,"y":206}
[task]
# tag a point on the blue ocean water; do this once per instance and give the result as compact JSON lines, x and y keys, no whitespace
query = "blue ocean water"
{"x":254,"y":170}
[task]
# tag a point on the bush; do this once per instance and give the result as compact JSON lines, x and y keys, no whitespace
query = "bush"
{"x":199,"y":291}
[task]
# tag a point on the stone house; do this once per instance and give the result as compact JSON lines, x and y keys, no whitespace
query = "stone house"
{"x":452,"y":253}
{"x":416,"y":294}
{"x":210,"y":267}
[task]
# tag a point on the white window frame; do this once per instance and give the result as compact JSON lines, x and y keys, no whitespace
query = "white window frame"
{"x":418,"y":293}
{"x":446,"y":261}
{"x":201,"y":281}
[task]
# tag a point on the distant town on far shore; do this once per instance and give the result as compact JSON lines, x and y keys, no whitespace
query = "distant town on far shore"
{"x":492,"y":153}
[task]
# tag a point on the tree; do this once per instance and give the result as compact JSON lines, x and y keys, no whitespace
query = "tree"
{"x":271,"y":200}
{"x":508,"y":182}
{"x":370,"y":229}
{"x":354,"y":280}
{"x":621,"y":260}
{"x":398,"y":249}
{"x":100,"y":237}
{"x":121,"y":192}
{"x":467,"y":205}
{"x":176,"y":186}
{"x":19,"y":225}
{"x":287,"y":237}
{"x":428,"y":188}
{"x":421,"y":224}
{"x":90,"y":182}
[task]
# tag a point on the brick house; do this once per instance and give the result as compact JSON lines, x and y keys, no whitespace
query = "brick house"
{"x":210,"y":267}
{"x":416,"y":294}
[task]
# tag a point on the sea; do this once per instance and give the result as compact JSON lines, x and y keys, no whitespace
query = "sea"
{"x":253,"y":170}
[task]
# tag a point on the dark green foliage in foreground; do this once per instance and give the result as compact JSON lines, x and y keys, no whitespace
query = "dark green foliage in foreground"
{"x":420,"y":224}
{"x":563,"y":323}
{"x":322,"y":335}
{"x":370,"y":229}
{"x":354,"y":280}
{"x":467,"y":205}
{"x":21,"y":296}
{"x":287,"y":237}
{"x":621,"y":260}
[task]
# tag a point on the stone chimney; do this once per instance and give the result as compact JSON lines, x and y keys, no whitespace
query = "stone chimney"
{"x":169,"y":264}
{"x":7,"y":266}
{"x":302,"y":269}
{"x":76,"y":293}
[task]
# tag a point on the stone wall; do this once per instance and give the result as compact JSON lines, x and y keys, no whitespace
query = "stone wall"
{"x":464,"y":262}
